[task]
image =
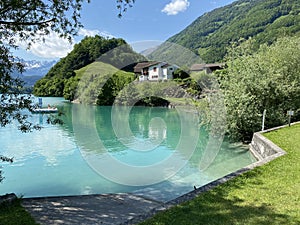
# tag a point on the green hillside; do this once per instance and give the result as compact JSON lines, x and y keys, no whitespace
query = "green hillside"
{"x":62,"y":76}
{"x":97,"y":83}
{"x":263,"y":20}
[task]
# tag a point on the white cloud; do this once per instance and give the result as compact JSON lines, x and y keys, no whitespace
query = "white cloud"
{"x":56,"y":47}
{"x":52,"y":47}
{"x":176,"y":6}
{"x":85,"y":32}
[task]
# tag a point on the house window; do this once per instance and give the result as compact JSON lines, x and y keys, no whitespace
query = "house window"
{"x":154,"y":69}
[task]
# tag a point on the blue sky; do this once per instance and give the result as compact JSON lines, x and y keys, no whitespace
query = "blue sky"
{"x":147,"y":20}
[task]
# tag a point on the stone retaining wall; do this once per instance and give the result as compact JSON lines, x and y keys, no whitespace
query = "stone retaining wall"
{"x":263,"y":149}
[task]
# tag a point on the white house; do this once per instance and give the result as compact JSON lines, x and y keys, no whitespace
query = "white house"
{"x":154,"y":71}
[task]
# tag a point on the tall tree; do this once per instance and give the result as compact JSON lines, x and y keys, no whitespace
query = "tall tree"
{"x":29,"y":21}
{"x":268,"y":79}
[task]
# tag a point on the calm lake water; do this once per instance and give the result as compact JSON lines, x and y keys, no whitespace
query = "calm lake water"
{"x":155,"y":152}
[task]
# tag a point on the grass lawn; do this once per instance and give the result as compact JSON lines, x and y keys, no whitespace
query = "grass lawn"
{"x":266,"y":195}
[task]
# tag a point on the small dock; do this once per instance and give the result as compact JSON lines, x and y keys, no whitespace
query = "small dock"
{"x":40,"y":108}
{"x":45,"y":110}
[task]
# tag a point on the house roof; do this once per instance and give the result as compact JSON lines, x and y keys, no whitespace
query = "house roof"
{"x":196,"y":67}
{"x":142,"y":65}
{"x":199,"y":67}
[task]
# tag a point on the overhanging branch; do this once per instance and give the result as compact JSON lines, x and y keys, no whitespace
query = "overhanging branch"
{"x":30,"y":23}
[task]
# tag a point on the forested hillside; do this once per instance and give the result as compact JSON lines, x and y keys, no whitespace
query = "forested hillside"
{"x":84,"y":53}
{"x":263,"y":20}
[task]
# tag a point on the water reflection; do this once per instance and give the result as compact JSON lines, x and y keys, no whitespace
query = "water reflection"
{"x":49,"y":143}
{"x":151,"y":141}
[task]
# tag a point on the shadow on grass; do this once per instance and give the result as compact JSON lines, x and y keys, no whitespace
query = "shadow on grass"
{"x":220,"y":206}
{"x":215,"y":208}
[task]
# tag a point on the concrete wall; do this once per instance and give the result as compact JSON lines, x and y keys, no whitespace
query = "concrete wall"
{"x":263,"y":149}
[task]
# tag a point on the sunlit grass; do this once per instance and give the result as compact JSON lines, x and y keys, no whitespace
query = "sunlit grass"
{"x":266,"y":195}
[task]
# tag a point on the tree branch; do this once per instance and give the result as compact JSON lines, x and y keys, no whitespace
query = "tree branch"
{"x":32,"y":23}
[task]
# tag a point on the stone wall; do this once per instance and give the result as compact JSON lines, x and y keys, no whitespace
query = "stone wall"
{"x":263,"y":149}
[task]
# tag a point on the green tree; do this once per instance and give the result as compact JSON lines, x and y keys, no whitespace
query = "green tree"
{"x":254,"y":81}
{"x":28,"y":21}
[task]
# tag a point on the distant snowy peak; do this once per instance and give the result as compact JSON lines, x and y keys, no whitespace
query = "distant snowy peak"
{"x":37,"y":68}
{"x":34,"y":70}
{"x":34,"y":64}
{"x":30,"y":65}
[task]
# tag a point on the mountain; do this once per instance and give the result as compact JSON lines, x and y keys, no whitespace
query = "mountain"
{"x":37,"y":68}
{"x":263,"y":20}
{"x":148,"y":51}
{"x":34,"y":70}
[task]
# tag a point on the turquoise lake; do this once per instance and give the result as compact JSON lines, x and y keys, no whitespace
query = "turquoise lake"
{"x":154,"y":152}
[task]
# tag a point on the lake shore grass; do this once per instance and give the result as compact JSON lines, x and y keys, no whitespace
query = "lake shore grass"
{"x":269,"y":194}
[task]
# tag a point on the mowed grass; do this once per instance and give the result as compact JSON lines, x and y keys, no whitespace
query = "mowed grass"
{"x":269,"y":194}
